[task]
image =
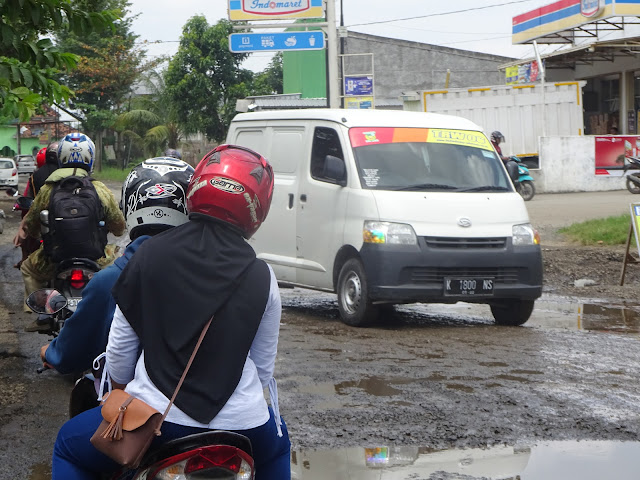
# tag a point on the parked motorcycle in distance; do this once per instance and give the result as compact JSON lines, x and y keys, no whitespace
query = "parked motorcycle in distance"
{"x":632,"y":179}
{"x":524,"y":183}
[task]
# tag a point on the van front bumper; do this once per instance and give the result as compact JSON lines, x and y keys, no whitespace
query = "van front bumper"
{"x":417,"y":273}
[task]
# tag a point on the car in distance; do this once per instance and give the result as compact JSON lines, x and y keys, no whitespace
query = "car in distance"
{"x":25,"y":163}
{"x":8,"y":173}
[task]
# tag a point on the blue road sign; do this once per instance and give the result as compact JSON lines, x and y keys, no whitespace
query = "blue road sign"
{"x":272,"y":42}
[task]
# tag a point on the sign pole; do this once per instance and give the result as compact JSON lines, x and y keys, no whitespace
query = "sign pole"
{"x":333,"y":84}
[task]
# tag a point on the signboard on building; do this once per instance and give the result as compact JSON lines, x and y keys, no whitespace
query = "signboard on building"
{"x":362,"y":85}
{"x":525,"y":73}
{"x":565,"y":15}
{"x":274,"y":9}
{"x":270,"y":42}
{"x":612,"y":151}
{"x":358,"y":102}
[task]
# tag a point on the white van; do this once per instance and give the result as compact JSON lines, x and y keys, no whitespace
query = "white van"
{"x":392,"y":207}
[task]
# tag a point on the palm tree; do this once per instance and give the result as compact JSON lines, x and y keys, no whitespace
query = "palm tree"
{"x":150,"y":127}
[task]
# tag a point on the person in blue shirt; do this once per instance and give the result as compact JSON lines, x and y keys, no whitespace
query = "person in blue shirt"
{"x":153,"y":200}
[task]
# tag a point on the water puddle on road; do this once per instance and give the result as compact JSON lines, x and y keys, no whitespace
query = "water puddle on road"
{"x":586,"y":460}
{"x":586,"y":316}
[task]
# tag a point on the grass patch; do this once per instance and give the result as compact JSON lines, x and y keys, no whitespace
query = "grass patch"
{"x":111,"y":174}
{"x":604,"y":231}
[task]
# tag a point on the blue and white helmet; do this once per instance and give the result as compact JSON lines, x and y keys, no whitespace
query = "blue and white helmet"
{"x":76,"y":150}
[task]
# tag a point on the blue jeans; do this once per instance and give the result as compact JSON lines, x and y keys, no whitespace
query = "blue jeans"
{"x":75,"y":458}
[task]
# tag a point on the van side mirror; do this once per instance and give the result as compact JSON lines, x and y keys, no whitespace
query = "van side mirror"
{"x":334,"y":169}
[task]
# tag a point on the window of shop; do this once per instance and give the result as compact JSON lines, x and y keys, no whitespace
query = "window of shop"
{"x":602,"y":105}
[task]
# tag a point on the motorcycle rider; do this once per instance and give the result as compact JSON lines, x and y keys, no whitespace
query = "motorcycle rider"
{"x":40,"y":176}
{"x":31,"y":244}
{"x":512,"y":167}
{"x":496,"y":139}
{"x":172,"y":152}
{"x":75,"y":158}
{"x":167,"y":293}
{"x":147,"y":213}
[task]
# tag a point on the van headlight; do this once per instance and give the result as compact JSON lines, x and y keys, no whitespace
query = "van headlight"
{"x":525,"y":234}
{"x":389,"y":233}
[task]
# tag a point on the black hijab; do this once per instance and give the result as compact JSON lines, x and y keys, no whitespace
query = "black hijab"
{"x":168,"y":291}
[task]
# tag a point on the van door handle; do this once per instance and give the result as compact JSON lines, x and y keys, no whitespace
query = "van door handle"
{"x":290,"y":201}
{"x":303,"y":197}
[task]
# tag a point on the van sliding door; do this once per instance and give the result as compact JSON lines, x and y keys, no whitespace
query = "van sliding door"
{"x":321,"y":213}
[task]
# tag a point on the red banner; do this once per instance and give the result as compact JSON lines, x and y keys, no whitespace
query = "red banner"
{"x":611,"y":151}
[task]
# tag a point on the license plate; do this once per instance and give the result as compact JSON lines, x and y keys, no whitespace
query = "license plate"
{"x":468,"y":286}
{"x":72,"y":303}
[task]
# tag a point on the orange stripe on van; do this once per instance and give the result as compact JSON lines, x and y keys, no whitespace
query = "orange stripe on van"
{"x":410,"y":135}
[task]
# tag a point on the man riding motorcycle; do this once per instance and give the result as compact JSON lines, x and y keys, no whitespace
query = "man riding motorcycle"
{"x":75,"y":158}
{"x":147,"y":212}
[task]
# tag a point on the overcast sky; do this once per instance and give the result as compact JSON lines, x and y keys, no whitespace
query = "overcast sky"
{"x":484,"y":30}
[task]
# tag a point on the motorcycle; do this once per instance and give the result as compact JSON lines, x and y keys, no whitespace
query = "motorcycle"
{"x":216,"y":454}
{"x":524,"y":182}
{"x":69,"y":279}
{"x":632,"y":179}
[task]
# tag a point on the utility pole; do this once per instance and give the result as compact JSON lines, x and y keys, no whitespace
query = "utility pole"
{"x":333,"y":86}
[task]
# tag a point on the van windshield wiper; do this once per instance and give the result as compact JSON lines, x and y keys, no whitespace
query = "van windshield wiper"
{"x":424,"y":186}
{"x":484,"y":188}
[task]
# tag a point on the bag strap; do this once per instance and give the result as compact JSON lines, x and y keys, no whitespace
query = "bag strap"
{"x":184,"y":374}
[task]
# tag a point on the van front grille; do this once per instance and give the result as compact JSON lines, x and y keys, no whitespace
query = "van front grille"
{"x":465,"y":243}
{"x":436,"y":275}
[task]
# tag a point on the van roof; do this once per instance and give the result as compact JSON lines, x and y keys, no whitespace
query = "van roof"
{"x":364,"y":118}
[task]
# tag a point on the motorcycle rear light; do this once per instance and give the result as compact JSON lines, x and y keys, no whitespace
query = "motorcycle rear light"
{"x":222,"y":462}
{"x":77,"y":279}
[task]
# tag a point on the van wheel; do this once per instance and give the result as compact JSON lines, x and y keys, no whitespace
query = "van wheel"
{"x":354,"y":304}
{"x":512,"y":312}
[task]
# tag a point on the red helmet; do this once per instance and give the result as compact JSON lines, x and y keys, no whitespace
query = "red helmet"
{"x":233,"y":184}
{"x":40,"y":157}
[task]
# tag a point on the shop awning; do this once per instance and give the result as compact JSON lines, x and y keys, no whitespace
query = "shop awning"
{"x":587,"y":54}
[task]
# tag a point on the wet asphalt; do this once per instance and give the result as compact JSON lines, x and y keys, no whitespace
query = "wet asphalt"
{"x":433,"y":391}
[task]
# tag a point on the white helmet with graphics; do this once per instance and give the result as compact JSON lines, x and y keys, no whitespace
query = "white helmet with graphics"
{"x":154,"y":196}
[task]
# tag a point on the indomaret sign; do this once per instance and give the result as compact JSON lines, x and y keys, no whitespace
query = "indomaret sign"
{"x":274,"y":9}
{"x":554,"y":22}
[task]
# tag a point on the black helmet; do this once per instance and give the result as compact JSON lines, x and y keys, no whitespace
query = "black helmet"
{"x":154,"y":196}
{"x":497,"y":137}
{"x":51,"y":155}
{"x":172,"y":153}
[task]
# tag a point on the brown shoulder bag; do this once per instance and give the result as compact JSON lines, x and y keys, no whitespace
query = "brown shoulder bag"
{"x":129,"y":425}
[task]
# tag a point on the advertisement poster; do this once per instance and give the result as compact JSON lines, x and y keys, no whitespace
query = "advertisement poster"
{"x":525,"y":73}
{"x":358,"y":102}
{"x":612,"y":151}
{"x":358,"y":85}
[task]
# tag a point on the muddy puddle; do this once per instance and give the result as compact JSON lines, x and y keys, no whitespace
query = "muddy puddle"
{"x":587,"y":460}
{"x":594,"y":317}
{"x":550,"y":312}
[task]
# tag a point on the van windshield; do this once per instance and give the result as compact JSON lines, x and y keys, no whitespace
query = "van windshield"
{"x":421,"y":159}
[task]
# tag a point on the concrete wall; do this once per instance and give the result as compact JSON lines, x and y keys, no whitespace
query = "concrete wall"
{"x":567,"y":164}
{"x":403,"y":66}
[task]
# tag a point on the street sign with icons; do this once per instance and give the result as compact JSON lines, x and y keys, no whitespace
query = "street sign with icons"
{"x":273,"y":42}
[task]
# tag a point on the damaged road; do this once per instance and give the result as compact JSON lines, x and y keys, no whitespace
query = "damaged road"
{"x":426,"y":379}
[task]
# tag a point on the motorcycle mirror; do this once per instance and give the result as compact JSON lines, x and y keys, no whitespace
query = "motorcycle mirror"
{"x":46,"y":300}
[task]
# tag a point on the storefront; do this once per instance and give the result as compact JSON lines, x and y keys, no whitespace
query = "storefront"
{"x":603,"y":48}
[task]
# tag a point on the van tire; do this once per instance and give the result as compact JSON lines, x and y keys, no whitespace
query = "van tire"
{"x":354,"y":303}
{"x":512,"y":312}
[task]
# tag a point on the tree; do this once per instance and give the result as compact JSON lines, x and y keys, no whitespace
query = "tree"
{"x":108,"y":68}
{"x":151,"y":123}
{"x":29,"y":61}
{"x":204,"y":78}
{"x":269,"y":81}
